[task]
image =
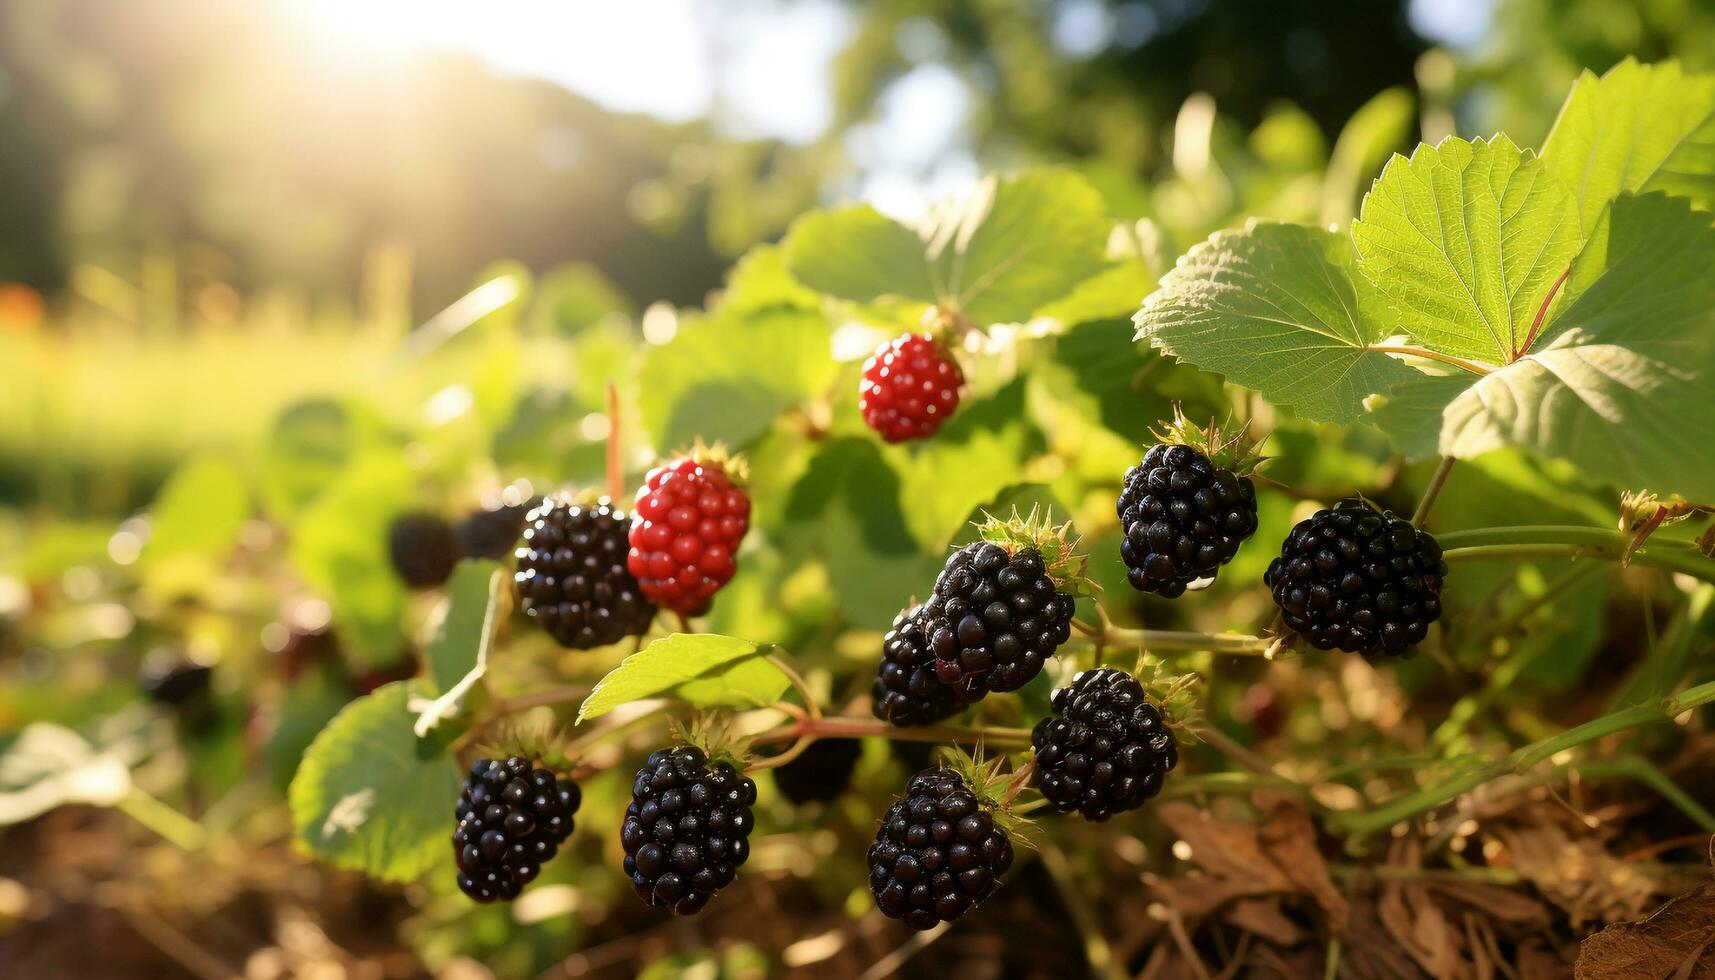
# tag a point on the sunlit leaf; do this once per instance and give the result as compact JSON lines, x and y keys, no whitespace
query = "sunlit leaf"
{"x":371,"y":796}
{"x":670,"y":665}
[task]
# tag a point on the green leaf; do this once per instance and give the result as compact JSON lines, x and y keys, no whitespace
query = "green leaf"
{"x":760,"y":280}
{"x":669,"y":665}
{"x":457,"y":633}
{"x":370,"y":796}
{"x":997,"y":254}
{"x":860,"y":254}
{"x":1278,"y":308}
{"x":1637,"y":128}
{"x":200,"y":510}
{"x":727,"y":378}
{"x":1015,"y":244}
{"x":339,"y":546}
{"x":310,"y":443}
{"x":1466,"y":240}
{"x":1623,"y":389}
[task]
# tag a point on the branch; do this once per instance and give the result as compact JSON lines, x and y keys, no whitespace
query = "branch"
{"x":1565,"y":541}
{"x":1431,"y":492}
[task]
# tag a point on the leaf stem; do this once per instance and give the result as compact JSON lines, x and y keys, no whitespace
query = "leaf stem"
{"x":173,"y":826}
{"x":1377,"y":819}
{"x":1432,"y":491}
{"x":1475,"y":367}
{"x":1541,"y":312}
{"x":798,"y":684}
{"x":1566,"y":541}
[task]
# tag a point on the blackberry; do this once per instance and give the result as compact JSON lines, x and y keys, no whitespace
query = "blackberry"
{"x":938,"y":853}
{"x":1105,"y":749}
{"x":176,"y":684}
{"x":687,"y":829}
{"x":572,"y":577}
{"x":423,"y":549}
{"x":1183,"y":518}
{"x":512,"y":819}
{"x":909,"y":388}
{"x":993,"y":619}
{"x":1359,"y":579}
{"x":493,"y":533}
{"x":906,"y":691}
{"x":820,"y":772}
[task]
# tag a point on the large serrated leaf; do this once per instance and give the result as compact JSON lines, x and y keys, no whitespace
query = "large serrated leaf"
{"x":705,"y":669}
{"x":370,"y":795}
{"x":1466,"y":239}
{"x":727,"y":378}
{"x":1278,"y":308}
{"x":1636,"y":128}
{"x":1623,"y":390}
{"x":997,"y":253}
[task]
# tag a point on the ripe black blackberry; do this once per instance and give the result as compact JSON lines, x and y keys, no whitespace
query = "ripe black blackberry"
{"x":993,"y":619}
{"x":512,"y":819}
{"x":1105,"y":749}
{"x":572,"y":577}
{"x":906,"y":691}
{"x":177,"y":684}
{"x":938,"y":853}
{"x":687,"y":829}
{"x":1359,"y":579}
{"x":820,"y":772}
{"x":493,"y":533}
{"x":423,"y":549}
{"x":1183,"y":518}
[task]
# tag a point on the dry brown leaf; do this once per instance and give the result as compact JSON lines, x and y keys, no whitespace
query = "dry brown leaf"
{"x":1499,"y":903}
{"x":1263,"y":917}
{"x":1278,"y":856}
{"x":1676,"y":940}
{"x":1578,"y":875}
{"x":1419,"y":927}
{"x":1291,"y":842}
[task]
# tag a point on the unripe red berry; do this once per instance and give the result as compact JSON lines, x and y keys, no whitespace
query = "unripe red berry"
{"x":689,"y":518}
{"x":909,"y":388}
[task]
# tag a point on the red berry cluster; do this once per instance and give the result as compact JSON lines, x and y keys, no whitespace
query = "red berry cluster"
{"x":909,"y":388}
{"x":688,"y":520}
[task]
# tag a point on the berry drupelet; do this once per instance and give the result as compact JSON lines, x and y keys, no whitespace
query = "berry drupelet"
{"x":423,"y":549}
{"x":909,"y":388}
{"x":687,"y":829}
{"x":938,"y":853}
{"x":572,"y":576}
{"x":906,"y":691}
{"x":690,"y":519}
{"x":821,"y":772}
{"x":513,"y":818}
{"x":1356,"y":578}
{"x":993,"y":619}
{"x":1105,"y":749}
{"x":1183,"y":518}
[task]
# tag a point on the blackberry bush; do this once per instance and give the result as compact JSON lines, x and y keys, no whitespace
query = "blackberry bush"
{"x":938,"y":853}
{"x":1185,"y":509}
{"x":1357,"y":578}
{"x":821,"y":772}
{"x":687,"y":829}
{"x":690,"y":518}
{"x":423,"y":549}
{"x":572,"y":576}
{"x":1105,"y":749}
{"x":512,"y":818}
{"x":910,"y":387}
{"x":997,"y":612}
{"x":906,"y":690}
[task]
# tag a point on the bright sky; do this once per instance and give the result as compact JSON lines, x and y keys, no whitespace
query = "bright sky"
{"x":758,"y":68}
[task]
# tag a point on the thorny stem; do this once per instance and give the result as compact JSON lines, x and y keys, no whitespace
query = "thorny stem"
{"x":1475,"y":367}
{"x":1431,"y":492}
{"x":1360,"y":823}
{"x":1565,"y":541}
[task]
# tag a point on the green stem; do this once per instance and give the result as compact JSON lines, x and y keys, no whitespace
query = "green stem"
{"x":1566,"y":541}
{"x":1643,"y":771}
{"x":1432,"y":491}
{"x":1183,"y":641}
{"x":178,"y":829}
{"x":834,"y":727}
{"x":1375,"y":820}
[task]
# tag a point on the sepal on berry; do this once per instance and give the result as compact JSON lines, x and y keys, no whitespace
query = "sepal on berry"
{"x":1235,"y":451}
{"x":1061,"y":559}
{"x":1177,"y":696}
{"x":992,"y":787}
